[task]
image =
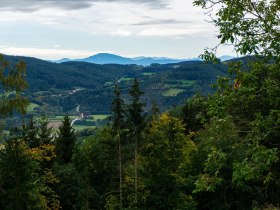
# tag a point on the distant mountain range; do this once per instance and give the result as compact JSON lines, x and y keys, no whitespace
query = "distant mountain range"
{"x":107,"y":58}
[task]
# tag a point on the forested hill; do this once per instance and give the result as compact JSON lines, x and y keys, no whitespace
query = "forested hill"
{"x":43,"y":75}
{"x":167,"y":84}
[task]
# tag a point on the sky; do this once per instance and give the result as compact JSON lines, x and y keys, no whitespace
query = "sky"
{"x":55,"y":29}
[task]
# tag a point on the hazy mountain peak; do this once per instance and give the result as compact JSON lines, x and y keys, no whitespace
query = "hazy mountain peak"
{"x":109,"y":58}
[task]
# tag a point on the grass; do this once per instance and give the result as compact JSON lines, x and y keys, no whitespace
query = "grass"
{"x":126,"y":79}
{"x":100,"y":116}
{"x":172,"y":92}
{"x":182,"y":83}
{"x":94,"y":117}
{"x":32,"y":106}
{"x":148,"y":73}
{"x":188,"y":83}
{"x":82,"y":127}
{"x":58,"y":118}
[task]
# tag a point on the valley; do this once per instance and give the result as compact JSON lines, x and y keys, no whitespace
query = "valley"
{"x":56,"y":89}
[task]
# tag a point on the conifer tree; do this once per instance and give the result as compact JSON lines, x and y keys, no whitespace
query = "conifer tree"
{"x":136,"y":108}
{"x":65,"y":142}
{"x":31,"y":134}
{"x":136,"y":120}
{"x":118,"y":121}
{"x":155,"y":111}
{"x":44,"y":132}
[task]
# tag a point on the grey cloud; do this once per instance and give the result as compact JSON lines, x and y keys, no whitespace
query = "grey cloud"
{"x":33,"y":5}
{"x":160,"y":22}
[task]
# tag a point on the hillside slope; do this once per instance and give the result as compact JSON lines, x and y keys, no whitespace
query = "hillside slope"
{"x":53,"y":85}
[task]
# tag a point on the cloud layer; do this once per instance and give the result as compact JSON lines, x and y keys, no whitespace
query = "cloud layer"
{"x":34,"y":5}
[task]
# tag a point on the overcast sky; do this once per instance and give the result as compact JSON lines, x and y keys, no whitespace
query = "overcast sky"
{"x":54,"y":29}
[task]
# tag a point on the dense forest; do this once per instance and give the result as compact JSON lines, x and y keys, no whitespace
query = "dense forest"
{"x":215,"y":151}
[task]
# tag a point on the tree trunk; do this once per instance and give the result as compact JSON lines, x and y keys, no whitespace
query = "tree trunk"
{"x":120,"y":168}
{"x":136,"y":168}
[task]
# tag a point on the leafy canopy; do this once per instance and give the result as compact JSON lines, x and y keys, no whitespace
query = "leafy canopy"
{"x":252,"y":26}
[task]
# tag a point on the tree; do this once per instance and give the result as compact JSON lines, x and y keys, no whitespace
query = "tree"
{"x":31,"y":134}
{"x":69,"y":187}
{"x":194,"y":113}
{"x":97,"y":160}
{"x":18,"y":177}
{"x":65,"y":142}
{"x":136,"y":107}
{"x":252,"y":26}
{"x":136,"y":120}
{"x":44,"y":155}
{"x":155,"y":111}
{"x":13,"y":83}
{"x":117,"y":110}
{"x":166,"y":157}
{"x":44,"y":132}
{"x":118,"y":122}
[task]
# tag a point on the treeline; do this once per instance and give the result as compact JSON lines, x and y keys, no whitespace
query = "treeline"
{"x":214,"y":152}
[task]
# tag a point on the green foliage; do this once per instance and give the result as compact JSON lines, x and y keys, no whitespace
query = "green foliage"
{"x":65,"y":142}
{"x":44,"y":132}
{"x":117,"y":110}
{"x":136,"y":107}
{"x":194,"y":113}
{"x":165,"y":158}
{"x":19,"y":181}
{"x":250,"y":25}
{"x":69,"y":187}
{"x":12,"y":83}
{"x":97,"y":159}
{"x":219,"y":152}
{"x":31,"y":134}
{"x":238,"y":149}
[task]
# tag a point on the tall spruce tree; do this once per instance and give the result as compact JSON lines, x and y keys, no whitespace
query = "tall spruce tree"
{"x":136,"y":121}
{"x":65,"y":142}
{"x":118,"y":121}
{"x":31,"y":134}
{"x":44,"y":132}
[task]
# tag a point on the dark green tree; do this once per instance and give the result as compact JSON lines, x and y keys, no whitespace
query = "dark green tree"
{"x":117,"y":109}
{"x":18,"y":177}
{"x":65,"y":142}
{"x":44,"y":132}
{"x":69,"y":188}
{"x":194,"y":113}
{"x":118,"y":123}
{"x":136,"y":108}
{"x":97,"y":160}
{"x":31,"y":134}
{"x":155,"y":110}
{"x":136,"y":121}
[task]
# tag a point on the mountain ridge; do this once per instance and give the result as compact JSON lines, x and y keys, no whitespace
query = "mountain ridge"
{"x":108,"y":58}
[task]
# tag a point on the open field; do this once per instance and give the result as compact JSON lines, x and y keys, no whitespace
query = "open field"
{"x":99,"y":117}
{"x":148,"y":73}
{"x":182,"y":83}
{"x":82,"y":127}
{"x":61,"y":117}
{"x":31,"y":107}
{"x":172,"y":92}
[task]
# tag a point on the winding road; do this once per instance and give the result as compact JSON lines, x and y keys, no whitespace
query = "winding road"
{"x":77,"y":118}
